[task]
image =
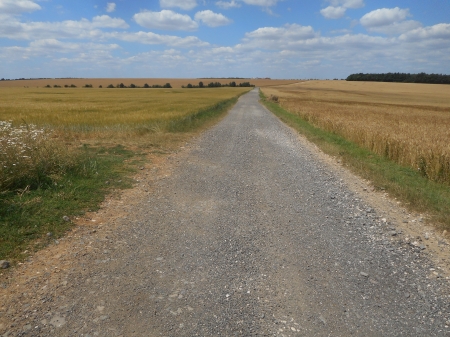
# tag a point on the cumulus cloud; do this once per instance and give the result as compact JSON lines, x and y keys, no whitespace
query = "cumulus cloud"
{"x":110,"y":7}
{"x":440,"y":32}
{"x":157,"y":39}
{"x":279,"y":37}
{"x":384,"y":17}
{"x":166,"y":19}
{"x":18,"y":6}
{"x":212,"y":19}
{"x":183,"y":4}
{"x":333,"y":12}
{"x":105,"y":21}
{"x":389,"y":21}
{"x":338,"y":8}
{"x":14,"y":29}
{"x":228,"y":5}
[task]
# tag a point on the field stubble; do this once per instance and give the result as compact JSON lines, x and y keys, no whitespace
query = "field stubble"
{"x":407,"y":123}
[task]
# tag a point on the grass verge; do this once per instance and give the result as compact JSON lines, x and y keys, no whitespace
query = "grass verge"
{"x":417,"y":192}
{"x":27,"y":215}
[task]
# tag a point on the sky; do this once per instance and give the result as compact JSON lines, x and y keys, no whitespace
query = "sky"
{"x":283,"y":39}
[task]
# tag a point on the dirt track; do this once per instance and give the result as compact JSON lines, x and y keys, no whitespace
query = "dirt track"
{"x":249,"y":234}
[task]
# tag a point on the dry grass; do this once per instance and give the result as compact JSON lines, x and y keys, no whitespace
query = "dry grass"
{"x":407,"y":123}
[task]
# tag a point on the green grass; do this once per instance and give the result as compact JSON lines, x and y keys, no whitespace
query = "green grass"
{"x":28,"y":215}
{"x":417,"y":192}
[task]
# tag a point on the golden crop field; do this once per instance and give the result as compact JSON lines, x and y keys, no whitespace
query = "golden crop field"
{"x":408,"y":123}
{"x":91,"y":113}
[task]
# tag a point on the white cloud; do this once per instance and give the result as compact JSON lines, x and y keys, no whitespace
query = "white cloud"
{"x":333,"y":12}
{"x":157,"y":39}
{"x":396,"y":28}
{"x":166,"y":19}
{"x":14,"y":29}
{"x":183,"y":4}
{"x":440,"y":32}
{"x":105,"y":21}
{"x":212,"y":19}
{"x":384,"y":17}
{"x":228,"y":5}
{"x":391,"y":21}
{"x":18,"y":6}
{"x":338,"y":8}
{"x":110,"y":7}
{"x":279,"y":37}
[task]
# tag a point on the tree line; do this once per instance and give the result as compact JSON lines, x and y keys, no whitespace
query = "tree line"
{"x":401,"y":77}
{"x":218,"y":85}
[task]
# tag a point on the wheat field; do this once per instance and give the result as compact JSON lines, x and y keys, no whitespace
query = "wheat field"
{"x":92,"y":113}
{"x":407,"y":123}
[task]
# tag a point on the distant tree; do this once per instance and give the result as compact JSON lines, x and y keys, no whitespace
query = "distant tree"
{"x":401,"y":77}
{"x":232,"y":84}
{"x":48,"y":86}
{"x":121,"y":85}
{"x":200,"y":84}
{"x":73,"y":86}
{"x":87,"y":86}
{"x":146,"y":86}
{"x":100,"y":86}
{"x":110,"y":86}
{"x":167,"y":85}
{"x":189,"y":85}
{"x":132,"y":85}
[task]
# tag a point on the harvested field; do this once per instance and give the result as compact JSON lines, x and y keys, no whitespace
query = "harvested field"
{"x":407,"y":123}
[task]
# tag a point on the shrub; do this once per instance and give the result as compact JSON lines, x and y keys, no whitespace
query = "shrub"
{"x":73,"y":86}
{"x":274,"y":98}
{"x":110,"y":86}
{"x":48,"y":86}
{"x":167,"y":85}
{"x":146,"y":86}
{"x":100,"y":86}
{"x":189,"y":85}
{"x":87,"y":86}
{"x":132,"y":85}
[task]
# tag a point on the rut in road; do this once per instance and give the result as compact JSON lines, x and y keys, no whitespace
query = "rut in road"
{"x":251,"y":236}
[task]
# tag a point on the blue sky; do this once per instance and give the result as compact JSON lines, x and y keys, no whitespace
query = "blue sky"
{"x":211,"y":38}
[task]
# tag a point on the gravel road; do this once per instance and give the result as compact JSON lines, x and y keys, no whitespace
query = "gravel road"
{"x":250,"y":235}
